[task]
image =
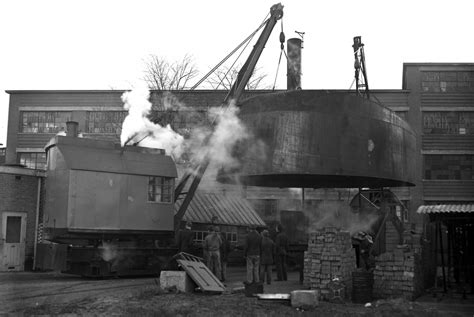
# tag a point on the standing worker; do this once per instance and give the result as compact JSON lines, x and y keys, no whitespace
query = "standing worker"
{"x":185,"y":239}
{"x":252,"y":250}
{"x":281,"y":250}
{"x":224,"y":250}
{"x":212,"y":245}
{"x":266,"y":258}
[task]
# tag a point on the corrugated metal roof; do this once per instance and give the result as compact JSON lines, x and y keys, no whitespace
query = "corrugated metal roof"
{"x":429,"y":209}
{"x":229,"y":210}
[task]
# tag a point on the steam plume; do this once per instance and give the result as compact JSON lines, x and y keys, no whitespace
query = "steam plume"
{"x":217,"y":142}
{"x":137,"y":127}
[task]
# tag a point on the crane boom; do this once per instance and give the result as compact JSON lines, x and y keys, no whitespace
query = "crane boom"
{"x":276,"y":13}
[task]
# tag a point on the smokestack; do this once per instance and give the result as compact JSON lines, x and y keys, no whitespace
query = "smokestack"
{"x":293,"y":71}
{"x":72,"y":128}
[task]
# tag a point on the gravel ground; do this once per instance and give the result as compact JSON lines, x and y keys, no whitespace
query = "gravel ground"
{"x":59,"y":294}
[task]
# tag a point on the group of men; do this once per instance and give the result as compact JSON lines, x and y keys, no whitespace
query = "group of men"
{"x":260,"y":251}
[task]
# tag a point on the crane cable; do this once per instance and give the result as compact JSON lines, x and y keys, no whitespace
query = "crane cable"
{"x":282,"y":49}
{"x":231,"y":53}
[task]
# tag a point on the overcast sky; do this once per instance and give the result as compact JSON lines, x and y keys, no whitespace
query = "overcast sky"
{"x":102,"y":44}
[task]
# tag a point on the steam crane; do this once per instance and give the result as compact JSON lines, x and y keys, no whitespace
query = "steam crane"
{"x":276,"y":13}
{"x":359,"y":66}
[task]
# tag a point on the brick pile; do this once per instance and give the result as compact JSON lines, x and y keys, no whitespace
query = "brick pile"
{"x":330,"y":255}
{"x":397,"y":274}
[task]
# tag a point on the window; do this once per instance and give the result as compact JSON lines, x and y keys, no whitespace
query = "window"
{"x":105,"y":121}
{"x":43,"y":121}
{"x":456,"y":81}
{"x":402,"y":211}
{"x":34,"y":160}
{"x":160,"y":189}
{"x":231,"y":236}
{"x":454,"y":167}
{"x":199,"y":236}
{"x":448,"y":122}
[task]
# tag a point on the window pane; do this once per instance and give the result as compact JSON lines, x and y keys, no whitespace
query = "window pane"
{"x":13,"y":230}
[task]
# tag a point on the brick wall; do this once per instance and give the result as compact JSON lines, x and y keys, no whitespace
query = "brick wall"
{"x":398,"y":274}
{"x":18,"y":193}
{"x":330,"y":255}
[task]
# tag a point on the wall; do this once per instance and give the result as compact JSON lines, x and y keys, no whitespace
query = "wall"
{"x":18,"y":193}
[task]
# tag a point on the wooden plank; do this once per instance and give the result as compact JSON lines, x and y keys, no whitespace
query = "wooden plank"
{"x":202,"y":276}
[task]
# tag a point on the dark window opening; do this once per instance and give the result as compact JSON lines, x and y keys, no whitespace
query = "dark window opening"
{"x":160,"y":189}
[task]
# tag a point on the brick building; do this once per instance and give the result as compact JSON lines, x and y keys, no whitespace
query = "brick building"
{"x":20,"y":192}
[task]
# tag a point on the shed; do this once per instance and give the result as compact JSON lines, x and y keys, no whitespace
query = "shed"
{"x":233,"y":214}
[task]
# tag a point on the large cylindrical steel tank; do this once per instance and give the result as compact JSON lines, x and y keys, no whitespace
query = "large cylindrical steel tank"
{"x":322,"y":139}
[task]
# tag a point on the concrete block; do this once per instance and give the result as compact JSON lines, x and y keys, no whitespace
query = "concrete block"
{"x":178,"y":280}
{"x":304,"y":298}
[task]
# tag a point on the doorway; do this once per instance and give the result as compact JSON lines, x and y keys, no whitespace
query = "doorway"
{"x":14,"y":237}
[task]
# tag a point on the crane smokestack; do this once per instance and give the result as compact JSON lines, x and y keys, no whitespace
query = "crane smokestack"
{"x":293,"y":74}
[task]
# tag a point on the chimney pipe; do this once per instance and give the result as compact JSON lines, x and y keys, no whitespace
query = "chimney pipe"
{"x":293,"y":70}
{"x":72,"y":128}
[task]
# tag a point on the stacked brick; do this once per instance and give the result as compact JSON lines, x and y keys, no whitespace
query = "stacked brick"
{"x":330,"y":255}
{"x":397,"y":274}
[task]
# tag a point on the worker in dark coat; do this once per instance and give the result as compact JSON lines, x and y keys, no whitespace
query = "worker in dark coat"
{"x":225,"y":249}
{"x":186,"y":239}
{"x":281,"y":243}
{"x":252,"y":250}
{"x":266,"y":257}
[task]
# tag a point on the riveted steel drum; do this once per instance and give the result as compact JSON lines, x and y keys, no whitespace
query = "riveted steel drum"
{"x":322,"y":139}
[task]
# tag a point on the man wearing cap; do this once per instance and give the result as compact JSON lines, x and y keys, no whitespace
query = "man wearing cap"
{"x":212,"y":244}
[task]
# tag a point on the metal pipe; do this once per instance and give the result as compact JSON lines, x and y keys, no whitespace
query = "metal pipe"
{"x":38,"y":199}
{"x":442,"y":255}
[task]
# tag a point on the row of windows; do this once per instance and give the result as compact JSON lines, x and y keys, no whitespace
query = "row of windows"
{"x":44,"y":121}
{"x":199,"y":236}
{"x":434,"y":122}
{"x":33,"y":160}
{"x":449,"y":167}
{"x":447,"y":81}
{"x":448,"y":122}
{"x":106,"y":121}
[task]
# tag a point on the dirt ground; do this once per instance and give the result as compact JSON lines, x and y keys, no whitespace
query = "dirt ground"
{"x":59,"y":294}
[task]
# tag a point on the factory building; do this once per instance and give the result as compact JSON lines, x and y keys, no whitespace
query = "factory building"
{"x":436,"y":99}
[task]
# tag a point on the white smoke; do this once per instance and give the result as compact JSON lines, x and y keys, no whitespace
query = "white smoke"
{"x":228,"y":131}
{"x":138,"y":128}
{"x":340,"y":215}
{"x":215,"y":142}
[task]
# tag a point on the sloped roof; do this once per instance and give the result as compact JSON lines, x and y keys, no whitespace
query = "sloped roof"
{"x":456,"y":208}
{"x":105,"y":156}
{"x":229,"y":210}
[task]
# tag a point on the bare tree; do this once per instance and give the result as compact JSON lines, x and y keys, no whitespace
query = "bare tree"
{"x":163,"y":75}
{"x":225,"y":77}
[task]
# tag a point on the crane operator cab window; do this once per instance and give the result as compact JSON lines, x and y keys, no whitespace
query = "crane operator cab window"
{"x":160,"y":189}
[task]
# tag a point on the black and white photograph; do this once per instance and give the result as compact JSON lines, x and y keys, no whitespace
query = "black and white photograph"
{"x":237,"y":158}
